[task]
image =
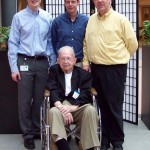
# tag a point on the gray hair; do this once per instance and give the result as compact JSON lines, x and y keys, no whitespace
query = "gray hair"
{"x":68,"y":48}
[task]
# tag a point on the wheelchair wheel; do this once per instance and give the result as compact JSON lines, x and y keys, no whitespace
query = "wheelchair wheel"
{"x":45,"y":129}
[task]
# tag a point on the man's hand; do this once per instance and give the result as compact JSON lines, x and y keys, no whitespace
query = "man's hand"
{"x":65,"y":109}
{"x":16,"y":76}
{"x":68,"y":119}
{"x":87,"y":68}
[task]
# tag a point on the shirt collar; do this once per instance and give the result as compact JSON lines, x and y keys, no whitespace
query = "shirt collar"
{"x":106,"y":15}
{"x":68,"y":17}
{"x":30,"y":11}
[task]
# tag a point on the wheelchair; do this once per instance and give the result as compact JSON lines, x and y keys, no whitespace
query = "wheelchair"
{"x":45,"y":128}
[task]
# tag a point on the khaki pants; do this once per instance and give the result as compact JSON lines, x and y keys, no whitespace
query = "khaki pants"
{"x":86,"y":116}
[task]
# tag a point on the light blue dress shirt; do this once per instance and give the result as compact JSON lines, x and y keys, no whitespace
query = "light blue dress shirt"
{"x":30,"y":34}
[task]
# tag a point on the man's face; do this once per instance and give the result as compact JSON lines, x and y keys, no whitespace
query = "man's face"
{"x":71,"y":6}
{"x":102,"y":6}
{"x":66,"y":61}
{"x":34,"y":4}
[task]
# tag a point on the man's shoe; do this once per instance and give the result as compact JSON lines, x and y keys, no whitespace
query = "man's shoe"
{"x":29,"y":143}
{"x":104,"y":147}
{"x":37,"y":136}
{"x":118,"y":147}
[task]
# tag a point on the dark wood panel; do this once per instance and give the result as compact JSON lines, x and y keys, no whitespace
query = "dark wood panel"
{"x":146,"y":86}
{"x":9,"y":120}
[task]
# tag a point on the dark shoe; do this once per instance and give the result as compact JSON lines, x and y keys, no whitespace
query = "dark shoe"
{"x":29,"y":143}
{"x":104,"y":147}
{"x":62,"y":144}
{"x":37,"y":136}
{"x":118,"y":147}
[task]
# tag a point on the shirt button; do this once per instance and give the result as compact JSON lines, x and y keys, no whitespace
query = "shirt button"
{"x":72,"y":31}
{"x":72,"y":39}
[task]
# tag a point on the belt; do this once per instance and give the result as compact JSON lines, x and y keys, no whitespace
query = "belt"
{"x":36,"y":57}
{"x":79,"y":60}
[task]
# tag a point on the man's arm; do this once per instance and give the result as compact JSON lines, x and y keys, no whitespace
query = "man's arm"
{"x":13,"y":45}
{"x":66,"y":111}
{"x":54,"y":36}
{"x":50,"y":47}
{"x":84,"y":89}
{"x":130,"y":37}
{"x":65,"y":108}
{"x":53,"y":85}
{"x":86,"y":64}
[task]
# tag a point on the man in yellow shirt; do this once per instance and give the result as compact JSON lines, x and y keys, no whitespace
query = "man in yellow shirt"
{"x":109,"y":43}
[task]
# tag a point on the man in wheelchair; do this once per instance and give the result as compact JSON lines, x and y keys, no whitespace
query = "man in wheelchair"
{"x":70,"y":96}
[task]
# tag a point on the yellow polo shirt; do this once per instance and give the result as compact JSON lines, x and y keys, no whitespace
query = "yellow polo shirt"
{"x":109,"y":39}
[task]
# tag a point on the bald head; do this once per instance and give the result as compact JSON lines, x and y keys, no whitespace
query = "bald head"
{"x":67,"y":49}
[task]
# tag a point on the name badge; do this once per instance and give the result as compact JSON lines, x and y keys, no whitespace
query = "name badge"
{"x":24,"y":68}
{"x":75,"y":95}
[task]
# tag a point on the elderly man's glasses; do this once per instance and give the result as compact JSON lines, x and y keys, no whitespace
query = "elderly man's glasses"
{"x":68,"y":59}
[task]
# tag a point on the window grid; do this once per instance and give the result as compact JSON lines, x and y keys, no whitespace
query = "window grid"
{"x":56,"y":7}
{"x":130,"y":106}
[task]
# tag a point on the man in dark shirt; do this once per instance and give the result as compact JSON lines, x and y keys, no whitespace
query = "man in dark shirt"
{"x":69,"y":29}
{"x":69,"y":86}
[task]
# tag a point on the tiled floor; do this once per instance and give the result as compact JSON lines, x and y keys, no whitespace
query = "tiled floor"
{"x":136,"y":138}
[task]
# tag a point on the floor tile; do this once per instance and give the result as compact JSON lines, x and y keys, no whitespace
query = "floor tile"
{"x":137,"y":137}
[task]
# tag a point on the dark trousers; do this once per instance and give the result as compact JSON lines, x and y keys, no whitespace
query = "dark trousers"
{"x":109,"y":80}
{"x":31,"y":93}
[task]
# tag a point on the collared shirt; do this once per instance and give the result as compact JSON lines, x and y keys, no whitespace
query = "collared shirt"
{"x":68,"y":83}
{"x":30,"y":35}
{"x":109,"y":39}
{"x":68,"y":33}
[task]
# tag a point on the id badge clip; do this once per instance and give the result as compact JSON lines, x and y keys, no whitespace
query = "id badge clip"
{"x":24,"y":68}
{"x":76,"y":94}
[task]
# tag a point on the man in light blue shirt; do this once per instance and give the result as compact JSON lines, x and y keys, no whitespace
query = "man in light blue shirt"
{"x":30,"y":48}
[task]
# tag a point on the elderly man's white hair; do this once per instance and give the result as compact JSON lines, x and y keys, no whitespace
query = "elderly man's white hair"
{"x":66,"y":48}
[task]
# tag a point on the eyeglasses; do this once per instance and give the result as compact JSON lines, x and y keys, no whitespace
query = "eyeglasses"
{"x":68,"y":59}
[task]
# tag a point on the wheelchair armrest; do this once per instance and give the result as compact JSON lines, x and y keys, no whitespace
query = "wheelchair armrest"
{"x":93,"y":91}
{"x":47,"y":93}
